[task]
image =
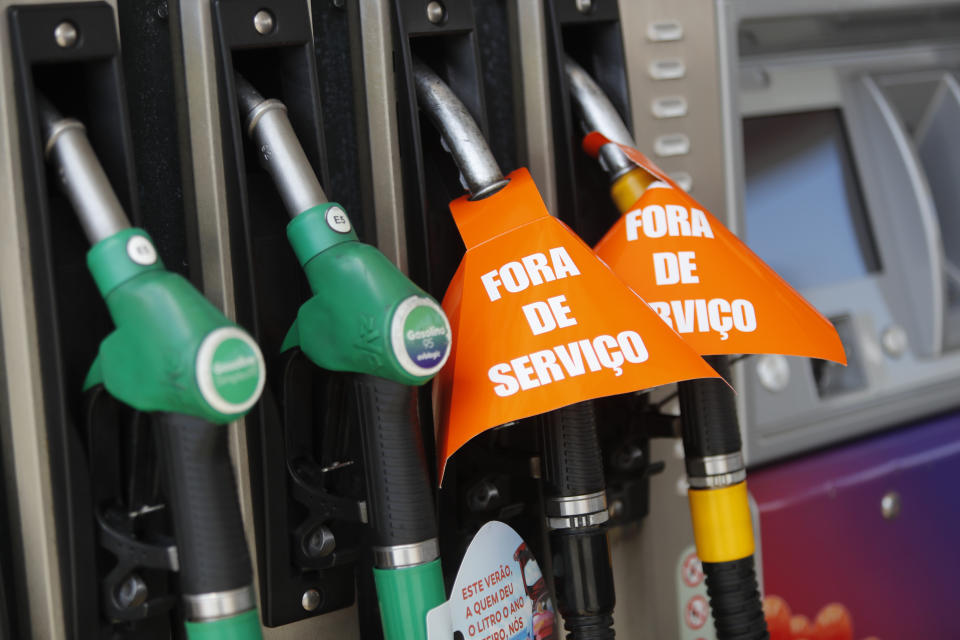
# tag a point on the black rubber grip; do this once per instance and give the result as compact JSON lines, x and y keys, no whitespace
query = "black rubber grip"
{"x":202,"y":498}
{"x":583,"y":579}
{"x":708,"y":414}
{"x":571,"y":456}
{"x":735,"y":600}
{"x":399,"y":495}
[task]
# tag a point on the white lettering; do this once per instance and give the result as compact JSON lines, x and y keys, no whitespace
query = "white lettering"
{"x":563,"y":264}
{"x":505,"y":384}
{"x":687,"y":267}
{"x":561,"y":311}
{"x":536,"y":266}
{"x":677,"y":224}
{"x":491,"y":284}
{"x":571,"y":360}
{"x":699,"y":226}
{"x":539,"y":317}
{"x":515,"y":276}
{"x":654,"y":221}
{"x":675,"y":220}
{"x":744,"y":315}
{"x":666,"y":269}
{"x":632,"y":347}
{"x":609,"y":359}
{"x":716,"y":314}
{"x":545,"y":364}
{"x":523,"y":371}
{"x":567,"y":361}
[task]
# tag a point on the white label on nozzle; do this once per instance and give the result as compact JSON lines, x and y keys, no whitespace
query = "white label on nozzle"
{"x":337,"y":220}
{"x":230,"y":370}
{"x":141,"y":250}
{"x":421,"y":336}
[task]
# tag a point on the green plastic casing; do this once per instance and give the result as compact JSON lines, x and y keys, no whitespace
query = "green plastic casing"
{"x":245,"y":626}
{"x":150,"y":361}
{"x":350,"y":322}
{"x":406,"y":595}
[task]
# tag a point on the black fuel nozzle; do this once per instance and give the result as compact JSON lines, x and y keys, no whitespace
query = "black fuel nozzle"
{"x":710,"y":428}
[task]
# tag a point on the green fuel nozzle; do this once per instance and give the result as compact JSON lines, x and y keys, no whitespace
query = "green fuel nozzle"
{"x":367,"y":319}
{"x":176,"y":356}
{"x":172,"y":350}
{"x":365,"y":315}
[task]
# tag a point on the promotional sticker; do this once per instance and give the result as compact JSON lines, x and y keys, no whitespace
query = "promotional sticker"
{"x":703,"y":281}
{"x":540,"y":323}
{"x":500,"y":593}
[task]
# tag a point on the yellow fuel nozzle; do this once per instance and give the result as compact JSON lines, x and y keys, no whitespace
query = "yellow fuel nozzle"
{"x":628,"y":188}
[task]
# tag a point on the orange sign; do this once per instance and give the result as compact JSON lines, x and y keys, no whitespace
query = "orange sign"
{"x":539,"y":322}
{"x":703,"y":281}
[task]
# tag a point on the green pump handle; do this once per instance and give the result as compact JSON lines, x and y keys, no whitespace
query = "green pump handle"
{"x":174,"y":355}
{"x":366,"y":318}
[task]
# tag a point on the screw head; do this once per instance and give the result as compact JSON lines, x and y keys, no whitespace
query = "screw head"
{"x":773,"y":370}
{"x":890,"y":505}
{"x":436,"y":12}
{"x":310,"y":600}
{"x":615,"y":509}
{"x":263,"y":22}
{"x":130,"y":593}
{"x":894,"y":341}
{"x":584,"y":6}
{"x":66,"y":34}
{"x":628,"y":457}
{"x":482,"y":495}
{"x":319,"y":543}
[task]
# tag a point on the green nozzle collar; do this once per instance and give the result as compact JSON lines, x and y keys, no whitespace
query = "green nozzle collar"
{"x":319,"y":228}
{"x":122,"y":256}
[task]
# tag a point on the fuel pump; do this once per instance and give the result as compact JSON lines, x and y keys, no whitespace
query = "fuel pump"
{"x":177,"y":357}
{"x":406,"y":340}
{"x":573,"y":480}
{"x":711,"y":435}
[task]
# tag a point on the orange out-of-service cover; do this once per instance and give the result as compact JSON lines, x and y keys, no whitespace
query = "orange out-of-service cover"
{"x":703,"y":281}
{"x":540,"y":323}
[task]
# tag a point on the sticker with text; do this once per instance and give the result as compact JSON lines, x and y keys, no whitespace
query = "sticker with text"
{"x":540,"y":323}
{"x":500,"y":593}
{"x":703,"y":281}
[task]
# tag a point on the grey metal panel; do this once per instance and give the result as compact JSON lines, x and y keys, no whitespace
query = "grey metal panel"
{"x":382,"y":120}
{"x":700,"y":85}
{"x":24,"y":438}
{"x":536,"y":98}
{"x":938,"y":145}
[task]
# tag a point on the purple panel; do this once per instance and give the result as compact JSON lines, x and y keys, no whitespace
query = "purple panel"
{"x":825,"y":539}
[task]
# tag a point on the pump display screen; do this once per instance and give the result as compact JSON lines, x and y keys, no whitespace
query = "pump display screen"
{"x":804,"y":212}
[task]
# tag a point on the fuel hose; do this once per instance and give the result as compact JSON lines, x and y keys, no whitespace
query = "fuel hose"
{"x":575,"y":494}
{"x":719,"y":509}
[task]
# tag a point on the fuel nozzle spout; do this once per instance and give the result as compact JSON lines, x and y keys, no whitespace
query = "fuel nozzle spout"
{"x":80,"y":173}
{"x":597,"y":113}
{"x":479,"y":171}
{"x":279,"y":150}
